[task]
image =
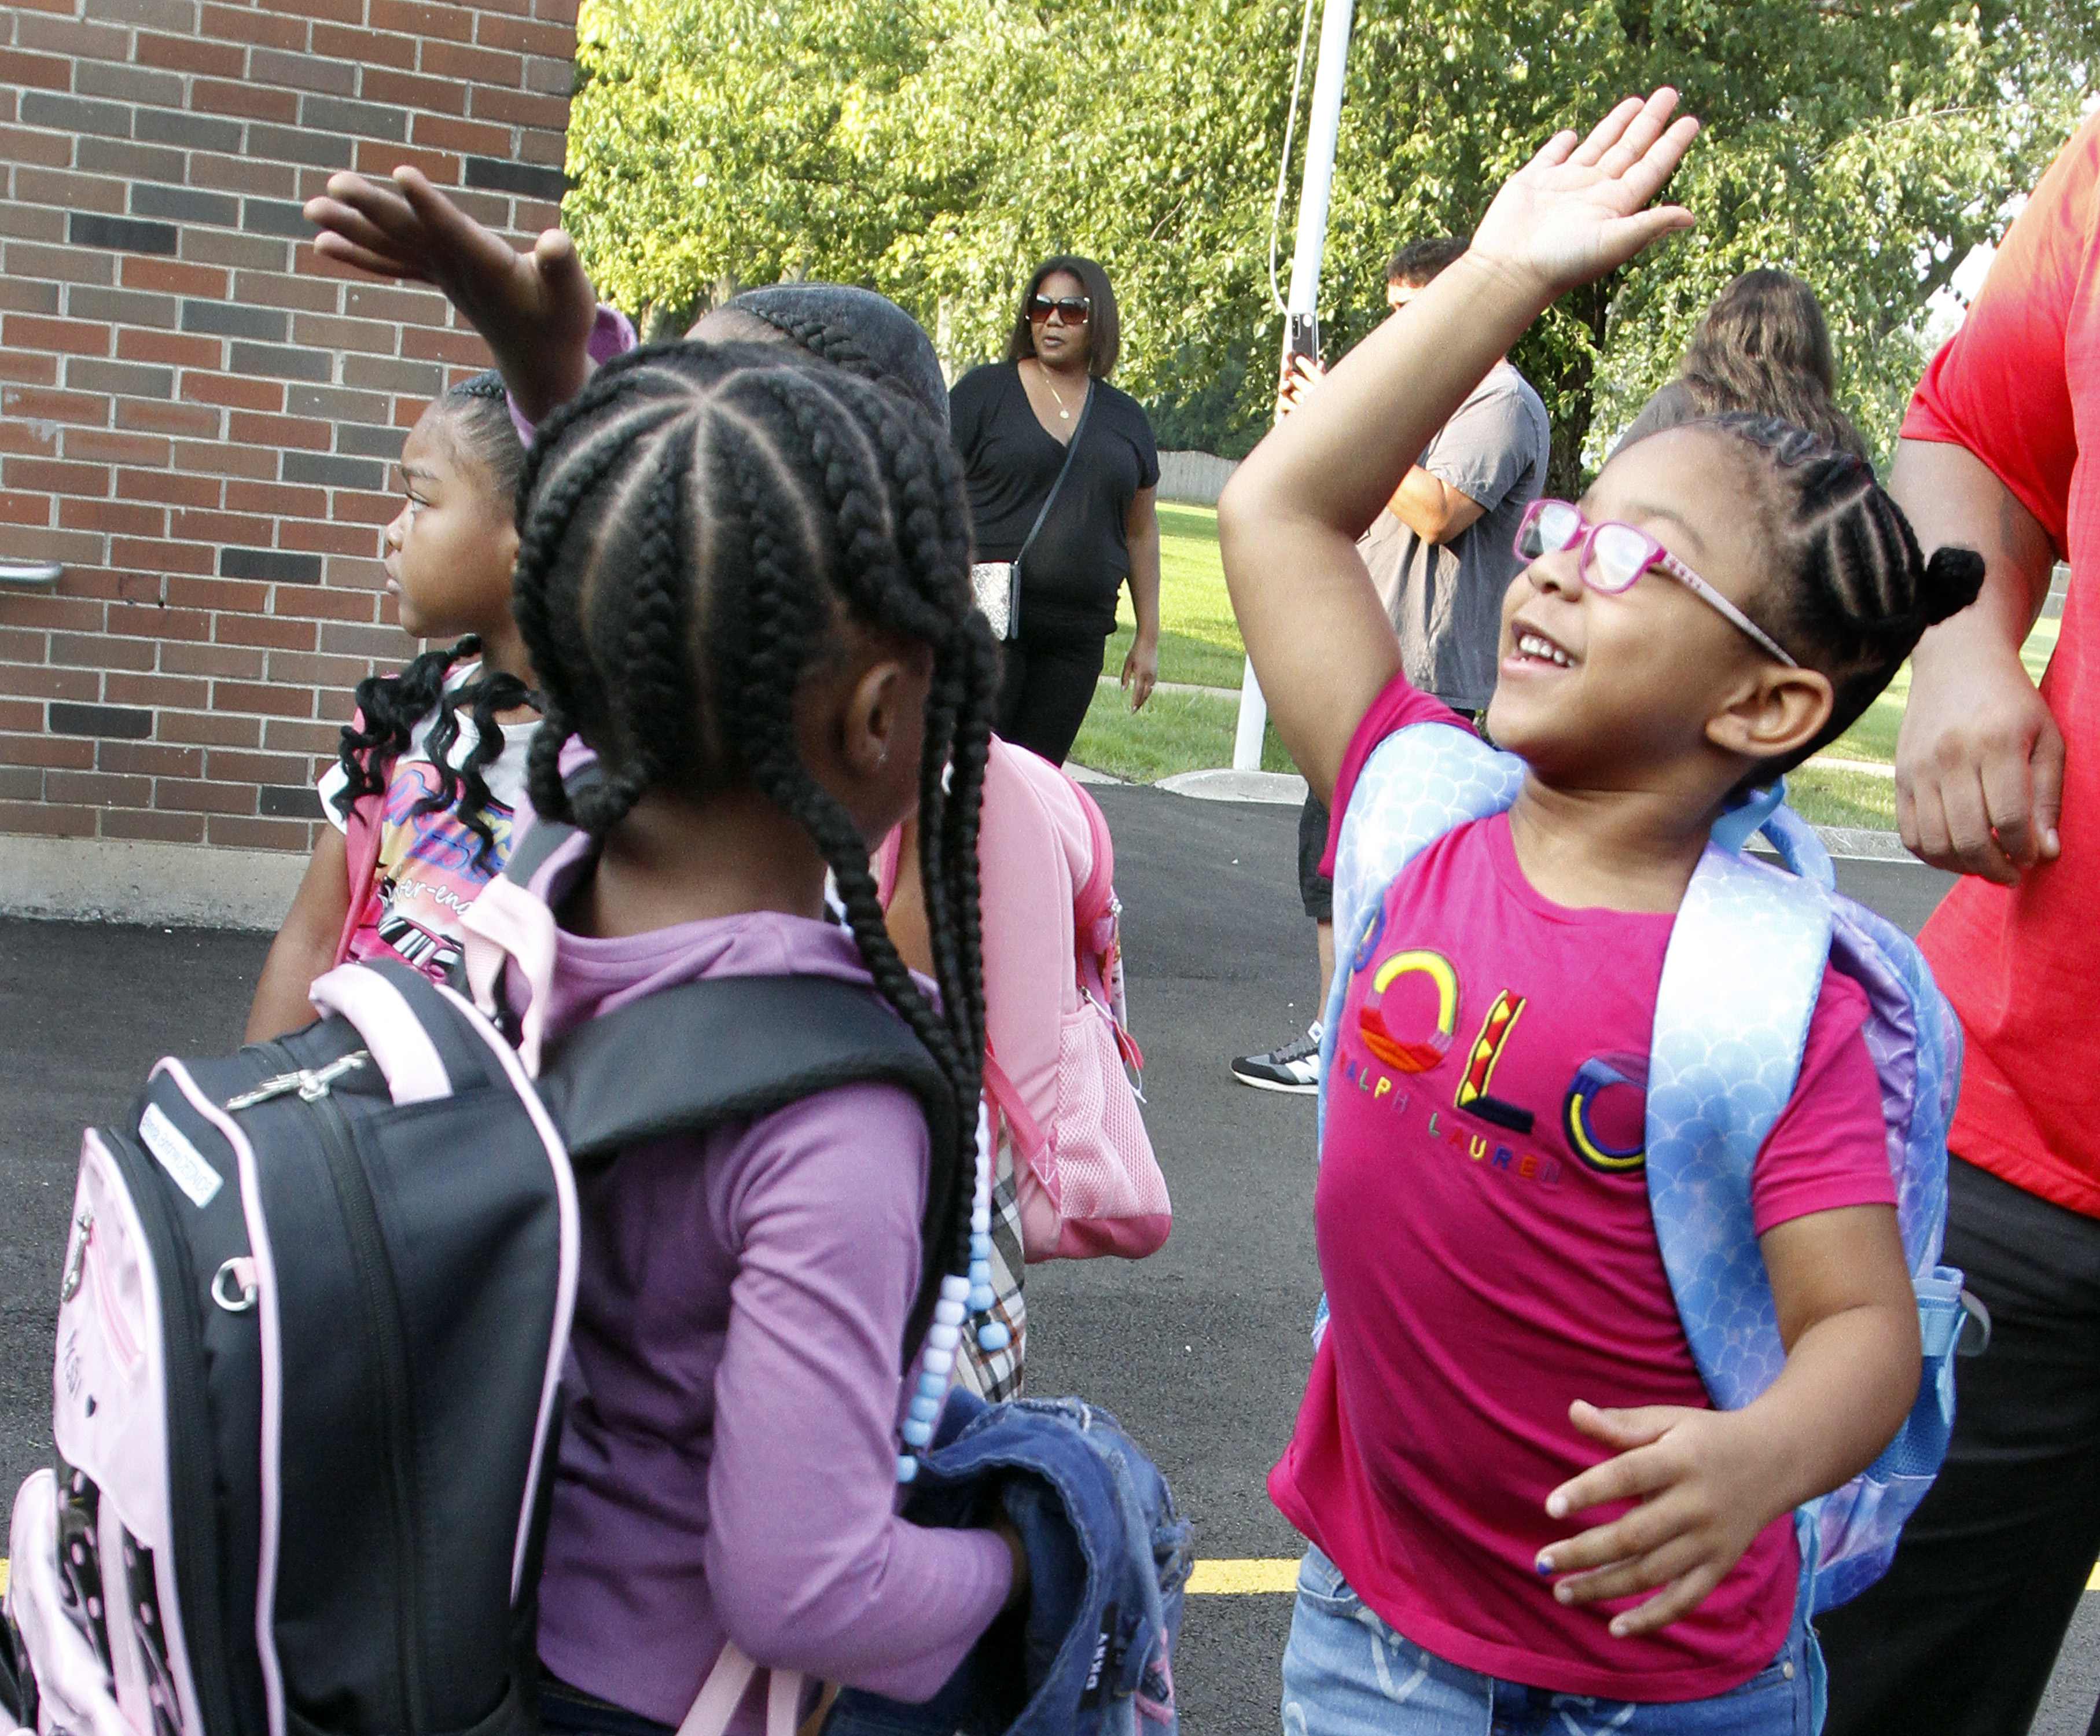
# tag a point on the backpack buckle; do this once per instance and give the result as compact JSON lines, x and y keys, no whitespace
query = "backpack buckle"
{"x":312,"y":1083}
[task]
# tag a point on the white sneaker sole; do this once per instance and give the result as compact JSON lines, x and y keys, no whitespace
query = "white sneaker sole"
{"x":1310,"y":1088}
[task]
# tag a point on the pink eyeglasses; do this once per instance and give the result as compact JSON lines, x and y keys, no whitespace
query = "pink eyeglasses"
{"x":1613,"y":555}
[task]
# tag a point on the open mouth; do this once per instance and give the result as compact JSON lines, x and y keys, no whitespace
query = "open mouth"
{"x":1531,"y":646}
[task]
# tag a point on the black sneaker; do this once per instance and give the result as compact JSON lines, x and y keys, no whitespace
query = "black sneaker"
{"x":1295,"y":1067}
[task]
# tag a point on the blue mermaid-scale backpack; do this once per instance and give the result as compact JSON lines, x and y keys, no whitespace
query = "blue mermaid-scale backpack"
{"x":1740,"y":980}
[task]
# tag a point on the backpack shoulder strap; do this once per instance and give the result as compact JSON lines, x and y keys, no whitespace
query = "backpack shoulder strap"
{"x":1740,"y":982}
{"x":1418,"y":783}
{"x":732,"y":1048}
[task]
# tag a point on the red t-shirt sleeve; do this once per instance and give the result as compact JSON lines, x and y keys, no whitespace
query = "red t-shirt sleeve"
{"x":1999,"y":386}
{"x":1399,"y":703}
{"x":1829,"y":1147}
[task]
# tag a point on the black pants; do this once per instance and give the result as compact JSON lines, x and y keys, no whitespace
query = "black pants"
{"x":1045,"y":687}
{"x":1960,"y":1638}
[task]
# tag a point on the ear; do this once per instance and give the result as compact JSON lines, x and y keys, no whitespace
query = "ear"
{"x":1778,"y":711}
{"x":883,"y":717}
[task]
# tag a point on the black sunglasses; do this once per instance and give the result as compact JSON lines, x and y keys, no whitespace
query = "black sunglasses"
{"x":1072,"y":309}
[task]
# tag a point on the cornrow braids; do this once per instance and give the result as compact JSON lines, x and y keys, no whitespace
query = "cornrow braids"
{"x":698,"y":522}
{"x":389,"y":708}
{"x":1851,"y":593}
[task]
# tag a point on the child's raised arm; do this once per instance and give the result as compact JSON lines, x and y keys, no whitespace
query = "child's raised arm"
{"x":536,"y":309}
{"x":1289,"y":520}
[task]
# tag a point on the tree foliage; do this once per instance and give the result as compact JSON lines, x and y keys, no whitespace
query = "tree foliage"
{"x":935,"y":149}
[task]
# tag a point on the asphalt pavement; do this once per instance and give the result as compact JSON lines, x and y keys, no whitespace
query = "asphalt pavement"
{"x":1201,"y":1350}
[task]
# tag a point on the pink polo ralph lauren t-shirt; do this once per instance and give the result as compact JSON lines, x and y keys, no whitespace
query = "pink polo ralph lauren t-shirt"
{"x":1484,"y":1235}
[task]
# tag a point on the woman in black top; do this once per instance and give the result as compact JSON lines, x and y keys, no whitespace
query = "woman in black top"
{"x":1011,"y":421}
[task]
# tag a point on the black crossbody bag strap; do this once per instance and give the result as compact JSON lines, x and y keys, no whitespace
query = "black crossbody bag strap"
{"x":1050,"y":499}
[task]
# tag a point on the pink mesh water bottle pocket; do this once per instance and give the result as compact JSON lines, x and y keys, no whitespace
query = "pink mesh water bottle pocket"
{"x":1110,"y":1194}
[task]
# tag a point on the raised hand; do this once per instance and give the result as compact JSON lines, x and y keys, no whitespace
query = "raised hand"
{"x":1577,"y":209}
{"x":536,"y":309}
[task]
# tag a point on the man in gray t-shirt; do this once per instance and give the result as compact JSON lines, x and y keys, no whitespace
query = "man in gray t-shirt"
{"x":1441,"y":557}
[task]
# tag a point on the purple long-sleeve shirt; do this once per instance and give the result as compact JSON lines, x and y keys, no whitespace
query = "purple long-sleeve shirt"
{"x":729,"y":1467}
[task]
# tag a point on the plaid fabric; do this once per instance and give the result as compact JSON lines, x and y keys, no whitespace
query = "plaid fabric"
{"x":996,"y":1376}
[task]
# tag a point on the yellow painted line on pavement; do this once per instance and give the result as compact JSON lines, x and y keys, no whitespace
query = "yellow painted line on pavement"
{"x":1255,"y":1576}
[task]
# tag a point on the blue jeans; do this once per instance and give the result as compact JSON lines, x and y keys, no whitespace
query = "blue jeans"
{"x":1347,"y":1673}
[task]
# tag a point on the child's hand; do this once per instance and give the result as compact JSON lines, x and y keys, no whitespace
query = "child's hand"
{"x":1575,"y":211}
{"x":536,"y":309}
{"x":1707,"y":1484}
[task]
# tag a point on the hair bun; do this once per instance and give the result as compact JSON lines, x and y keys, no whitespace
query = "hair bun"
{"x":1952,"y":578}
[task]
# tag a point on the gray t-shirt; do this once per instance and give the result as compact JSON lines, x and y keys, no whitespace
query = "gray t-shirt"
{"x":1445,"y":599}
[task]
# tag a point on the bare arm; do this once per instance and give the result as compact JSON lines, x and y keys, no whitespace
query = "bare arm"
{"x":1431,"y":508}
{"x":1708,"y":1482}
{"x":1141,"y":667}
{"x":1289,"y":519}
{"x":305,"y":947}
{"x":1979,"y":760}
{"x":534,"y":309}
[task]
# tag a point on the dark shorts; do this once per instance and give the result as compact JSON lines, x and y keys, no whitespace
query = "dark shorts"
{"x":1314,"y":887}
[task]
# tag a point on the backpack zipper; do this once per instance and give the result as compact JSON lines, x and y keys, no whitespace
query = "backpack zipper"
{"x":360,"y":1213}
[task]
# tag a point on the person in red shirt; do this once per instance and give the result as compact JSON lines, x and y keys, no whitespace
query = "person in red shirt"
{"x":2000,"y":781}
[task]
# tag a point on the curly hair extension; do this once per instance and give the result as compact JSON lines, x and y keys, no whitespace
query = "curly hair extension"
{"x":1854,"y":593}
{"x":698,"y":522}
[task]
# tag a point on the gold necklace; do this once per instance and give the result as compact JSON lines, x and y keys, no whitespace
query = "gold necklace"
{"x":1065,"y":414}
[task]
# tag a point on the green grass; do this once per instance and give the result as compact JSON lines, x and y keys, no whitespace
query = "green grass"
{"x":1199,"y":641}
{"x":1827,"y":795}
{"x":1174,"y":733}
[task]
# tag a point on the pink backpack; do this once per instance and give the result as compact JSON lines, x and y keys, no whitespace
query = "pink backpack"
{"x":1087,"y":1183}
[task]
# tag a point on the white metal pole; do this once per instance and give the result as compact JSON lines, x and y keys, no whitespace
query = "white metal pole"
{"x":1323,"y":124}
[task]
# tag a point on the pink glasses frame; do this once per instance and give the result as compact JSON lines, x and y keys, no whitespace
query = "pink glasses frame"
{"x":1584,"y":541}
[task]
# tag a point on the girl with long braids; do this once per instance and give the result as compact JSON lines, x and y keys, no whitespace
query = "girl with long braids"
{"x":1524,"y":1507}
{"x":743,"y":581}
{"x":423,"y":794}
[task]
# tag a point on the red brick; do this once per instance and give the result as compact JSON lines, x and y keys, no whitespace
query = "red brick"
{"x":241,"y":23}
{"x":310,"y":537}
{"x":20,"y":714}
{"x":158,"y":828}
{"x":209,"y":728}
{"x":228,"y":766}
{"x":71,"y":337}
{"x":49,"y":404}
{"x":246,"y":595}
{"x":42,"y":681}
{"x":386,"y":641}
{"x":40,"y":819}
{"x":75,"y":548}
{"x":383,"y":84}
{"x":380,"y":157}
{"x":221,"y":527}
{"x":446,"y":133}
{"x":336,"y":332}
{"x":239,"y":663}
{"x":155,"y":690}
{"x":97,"y":651}
{"x":149,"y":759}
{"x":25,"y":508}
{"x":364,"y":47}
{"x":99,"y":789}
{"x":462,"y":348}
{"x":122,"y":516}
{"x":172,"y":487}
{"x":267,"y":630}
{"x":441,"y":18}
{"x":311,"y":670}
{"x":268,"y":700}
{"x":146,"y":622}
{"x":287,"y":500}
{"x":341,"y":12}
{"x":175,"y":277}
{"x":322,"y":602}
{"x":244,"y":175}
{"x":354,"y":508}
{"x":481,"y":68}
{"x":20,"y":144}
{"x":557,"y":42}
{"x":522,"y":109}
{"x":237,"y":834}
{"x":42,"y":72}
{"x":59,"y":614}
{"x":169,"y":418}
{"x":244,"y":102}
{"x":556,"y":11}
{"x":29,"y":437}
{"x":273,"y":289}
{"x":227,"y":461}
{"x":26,"y":368}
{"x":88,"y":444}
{"x":20,"y":645}
{"x":152,"y":555}
{"x":238,"y":391}
{"x":57,"y":186}
{"x":284,"y":735}
{"x":192,"y":53}
{"x":186,"y":795}
{"x":55,"y":475}
{"x":182,"y":349}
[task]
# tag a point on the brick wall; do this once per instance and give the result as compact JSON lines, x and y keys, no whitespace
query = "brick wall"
{"x":196,"y":414}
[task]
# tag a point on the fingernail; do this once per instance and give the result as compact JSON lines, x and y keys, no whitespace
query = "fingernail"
{"x":1556,"y":1506}
{"x":1564,"y":1593}
{"x":1619,"y":1629}
{"x":1544,"y":1564}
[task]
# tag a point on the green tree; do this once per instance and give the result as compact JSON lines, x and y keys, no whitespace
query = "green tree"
{"x":934,"y":149}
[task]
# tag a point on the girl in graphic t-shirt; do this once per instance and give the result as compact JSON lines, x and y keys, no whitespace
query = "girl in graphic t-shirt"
{"x":423,"y":798}
{"x":1524,"y":1509}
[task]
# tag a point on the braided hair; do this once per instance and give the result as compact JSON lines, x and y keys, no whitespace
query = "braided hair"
{"x":1852,"y":593}
{"x":698,"y":522}
{"x":475,"y":416}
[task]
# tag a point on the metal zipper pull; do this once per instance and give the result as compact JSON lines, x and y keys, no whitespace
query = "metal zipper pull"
{"x":77,"y":1260}
{"x":312,"y":1083}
